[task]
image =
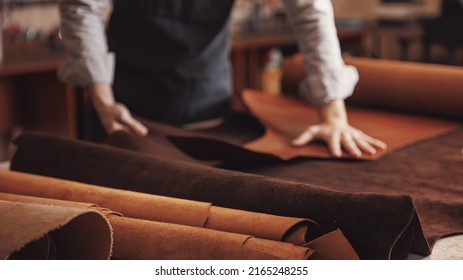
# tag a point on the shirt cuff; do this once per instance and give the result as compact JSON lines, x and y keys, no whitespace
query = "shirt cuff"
{"x":324,"y":87}
{"x":85,"y":71}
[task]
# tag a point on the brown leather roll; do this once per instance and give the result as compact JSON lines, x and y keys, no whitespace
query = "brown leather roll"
{"x":164,"y":209}
{"x":32,"y":229}
{"x":406,"y":86}
{"x":141,"y":239}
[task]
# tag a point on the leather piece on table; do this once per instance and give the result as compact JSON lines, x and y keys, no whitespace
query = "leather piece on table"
{"x":141,"y":239}
{"x":373,"y":223}
{"x":326,"y":245}
{"x":210,"y":148}
{"x":429,"y":171}
{"x":154,"y":144}
{"x":397,"y":85}
{"x":207,"y":146}
{"x":246,"y":128}
{"x":163,"y":209}
{"x":285,"y":118}
{"x":76,"y":233}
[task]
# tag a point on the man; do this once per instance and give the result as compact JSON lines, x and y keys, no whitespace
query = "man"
{"x":172,"y":64}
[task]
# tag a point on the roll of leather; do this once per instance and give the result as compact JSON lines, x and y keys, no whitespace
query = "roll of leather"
{"x":33,"y":230}
{"x":163,"y":209}
{"x":136,"y":239}
{"x":373,"y":223}
{"x":397,"y":85}
{"x":141,"y":239}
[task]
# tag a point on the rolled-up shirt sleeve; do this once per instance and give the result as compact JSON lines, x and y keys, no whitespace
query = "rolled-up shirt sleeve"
{"x":328,"y":78}
{"x":83,"y":33}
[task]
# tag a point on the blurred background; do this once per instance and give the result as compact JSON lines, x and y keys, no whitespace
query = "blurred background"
{"x":31,"y":97}
{"x":392,"y":29}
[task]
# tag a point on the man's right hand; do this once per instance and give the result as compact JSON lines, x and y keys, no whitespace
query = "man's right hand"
{"x":113,"y":115}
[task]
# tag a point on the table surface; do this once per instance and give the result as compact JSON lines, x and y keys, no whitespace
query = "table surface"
{"x":447,"y":248}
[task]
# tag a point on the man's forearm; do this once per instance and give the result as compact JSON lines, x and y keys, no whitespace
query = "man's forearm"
{"x":328,"y":77}
{"x":334,"y":111}
{"x":101,"y":95}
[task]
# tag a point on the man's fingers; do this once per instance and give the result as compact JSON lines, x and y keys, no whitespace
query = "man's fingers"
{"x":134,"y":126}
{"x":349,"y":144}
{"x":114,"y":127}
{"x":363,"y":144}
{"x":334,"y":144}
{"x":339,"y":138}
{"x":374,"y":142}
{"x":304,"y":138}
{"x":129,"y":123}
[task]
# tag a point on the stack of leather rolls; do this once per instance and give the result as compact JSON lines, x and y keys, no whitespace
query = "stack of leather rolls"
{"x":54,"y":218}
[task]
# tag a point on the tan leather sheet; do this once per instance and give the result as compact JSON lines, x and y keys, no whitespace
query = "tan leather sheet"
{"x":31,"y":230}
{"x":164,"y":209}
{"x":285,"y":118}
{"x":141,"y":239}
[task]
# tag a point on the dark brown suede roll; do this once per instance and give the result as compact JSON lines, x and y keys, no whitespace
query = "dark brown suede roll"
{"x":429,"y":171}
{"x":378,"y":226}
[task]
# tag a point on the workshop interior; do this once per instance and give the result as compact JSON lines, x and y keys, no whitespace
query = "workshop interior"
{"x":221,"y":145}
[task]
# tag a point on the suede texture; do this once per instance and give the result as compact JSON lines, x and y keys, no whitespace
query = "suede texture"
{"x":135,"y":239}
{"x":379,"y":226}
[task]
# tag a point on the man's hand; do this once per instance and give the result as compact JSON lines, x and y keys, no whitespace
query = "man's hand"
{"x":335,"y":130}
{"x":114,"y":116}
